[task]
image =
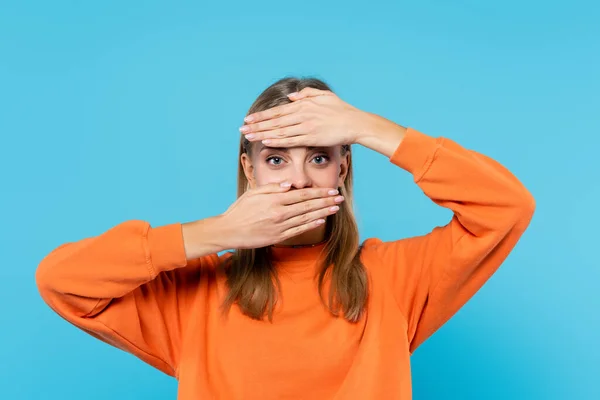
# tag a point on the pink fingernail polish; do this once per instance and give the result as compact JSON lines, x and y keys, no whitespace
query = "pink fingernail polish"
{"x":250,"y":136}
{"x":244,"y":129}
{"x":249,"y":118}
{"x":333,"y":192}
{"x":266,"y":141}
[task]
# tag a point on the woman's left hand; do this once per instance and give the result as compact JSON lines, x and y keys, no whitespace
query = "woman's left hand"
{"x":315,"y":118}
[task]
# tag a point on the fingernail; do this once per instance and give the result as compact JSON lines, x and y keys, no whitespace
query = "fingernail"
{"x":293,"y":94}
{"x":250,"y":136}
{"x":244,"y":129}
{"x":332,"y":192}
{"x":339,"y":199}
{"x":285,"y":184}
{"x":334,"y":208}
{"x":249,"y":118}
{"x":320,"y":221}
{"x":266,"y":141}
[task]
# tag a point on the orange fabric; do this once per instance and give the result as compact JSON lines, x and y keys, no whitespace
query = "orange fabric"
{"x":133,"y":288}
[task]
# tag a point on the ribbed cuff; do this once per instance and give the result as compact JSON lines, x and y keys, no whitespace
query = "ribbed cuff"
{"x":167,"y":251}
{"x":416,"y":152}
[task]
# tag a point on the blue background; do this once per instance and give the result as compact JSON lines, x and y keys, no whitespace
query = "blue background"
{"x":129,"y":110}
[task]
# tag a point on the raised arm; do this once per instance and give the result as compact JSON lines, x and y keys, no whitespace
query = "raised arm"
{"x":434,"y":275}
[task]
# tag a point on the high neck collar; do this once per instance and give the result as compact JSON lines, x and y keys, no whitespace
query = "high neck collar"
{"x":311,"y":252}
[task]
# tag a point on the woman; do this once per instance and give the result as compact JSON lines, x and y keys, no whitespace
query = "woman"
{"x":299,"y":309}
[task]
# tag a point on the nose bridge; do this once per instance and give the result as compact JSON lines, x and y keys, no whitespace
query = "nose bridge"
{"x":300,"y":178}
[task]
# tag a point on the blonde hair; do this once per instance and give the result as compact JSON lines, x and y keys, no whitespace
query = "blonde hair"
{"x":251,"y":276}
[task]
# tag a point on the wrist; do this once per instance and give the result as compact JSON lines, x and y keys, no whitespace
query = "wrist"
{"x":204,"y":237}
{"x":380,"y":134}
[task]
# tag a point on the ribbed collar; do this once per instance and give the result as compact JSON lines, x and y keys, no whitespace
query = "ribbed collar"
{"x":307,"y":253}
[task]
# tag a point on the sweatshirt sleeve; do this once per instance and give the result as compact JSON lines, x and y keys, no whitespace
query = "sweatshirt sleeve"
{"x":125,"y":287}
{"x":434,"y":275}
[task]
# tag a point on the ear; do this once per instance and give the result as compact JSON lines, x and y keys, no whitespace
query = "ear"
{"x":248,"y":169}
{"x":344,"y":166}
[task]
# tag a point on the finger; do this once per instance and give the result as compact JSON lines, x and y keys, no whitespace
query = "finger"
{"x":279,"y":133}
{"x":312,"y":205}
{"x":270,"y":124}
{"x":308,"y":221}
{"x":276,"y":187}
{"x":297,"y":230}
{"x":274,"y":112}
{"x":294,"y":141}
{"x":300,"y":195}
{"x":308,"y":92}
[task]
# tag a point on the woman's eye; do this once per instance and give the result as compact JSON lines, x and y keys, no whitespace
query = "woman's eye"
{"x":274,"y":160}
{"x":322,"y":159}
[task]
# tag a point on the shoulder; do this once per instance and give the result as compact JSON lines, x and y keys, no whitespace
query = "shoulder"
{"x":377,"y":247}
{"x":380,"y":255}
{"x":370,"y":253}
{"x":371,"y":243}
{"x":401,"y":247}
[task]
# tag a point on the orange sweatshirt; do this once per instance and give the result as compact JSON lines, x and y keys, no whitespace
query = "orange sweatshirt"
{"x":133,"y":288}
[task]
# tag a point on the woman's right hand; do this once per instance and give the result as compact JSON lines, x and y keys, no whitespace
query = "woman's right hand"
{"x":273,"y":213}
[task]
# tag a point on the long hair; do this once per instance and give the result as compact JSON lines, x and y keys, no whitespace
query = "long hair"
{"x":251,"y":277}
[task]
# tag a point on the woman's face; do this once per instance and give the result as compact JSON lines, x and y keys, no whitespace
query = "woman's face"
{"x":303,"y":167}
